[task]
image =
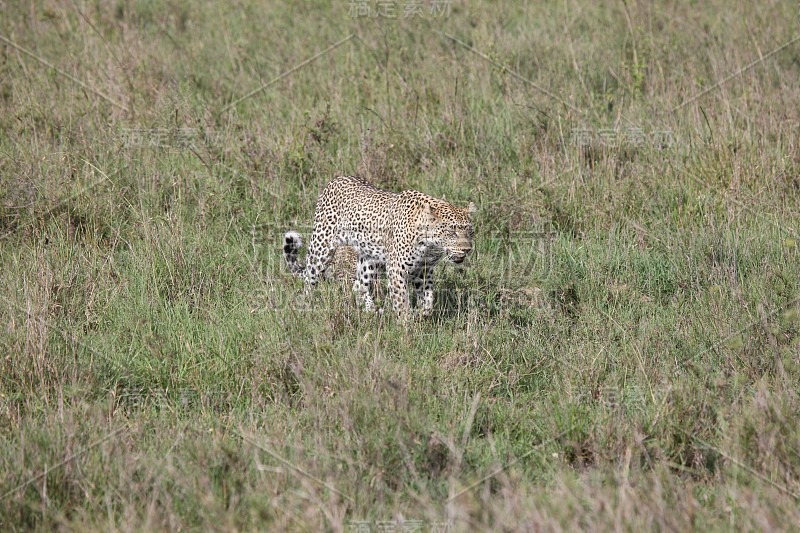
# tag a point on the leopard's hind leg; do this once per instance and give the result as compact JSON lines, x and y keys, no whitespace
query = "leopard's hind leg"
{"x":320,"y":254}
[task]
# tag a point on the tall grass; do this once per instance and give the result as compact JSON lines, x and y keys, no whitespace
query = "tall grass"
{"x":621,"y":352}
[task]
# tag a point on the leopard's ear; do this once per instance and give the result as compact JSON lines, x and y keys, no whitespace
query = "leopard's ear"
{"x":471,"y":209}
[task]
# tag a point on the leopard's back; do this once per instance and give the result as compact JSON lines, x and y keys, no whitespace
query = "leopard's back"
{"x":355,"y":213}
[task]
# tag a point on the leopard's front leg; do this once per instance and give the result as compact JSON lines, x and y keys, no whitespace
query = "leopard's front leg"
{"x":422,"y":280}
{"x":398,"y":291}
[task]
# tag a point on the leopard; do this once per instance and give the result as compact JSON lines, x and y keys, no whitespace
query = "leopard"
{"x":406,"y":234}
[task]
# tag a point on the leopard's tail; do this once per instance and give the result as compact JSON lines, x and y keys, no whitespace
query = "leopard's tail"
{"x":292,"y":242}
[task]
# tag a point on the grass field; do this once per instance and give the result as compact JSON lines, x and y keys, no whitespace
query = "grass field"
{"x":622,"y":350}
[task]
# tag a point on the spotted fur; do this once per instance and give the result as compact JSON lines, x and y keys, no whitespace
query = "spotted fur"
{"x":406,"y":233}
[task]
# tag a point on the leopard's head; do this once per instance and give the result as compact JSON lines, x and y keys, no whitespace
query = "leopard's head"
{"x":450,"y":228}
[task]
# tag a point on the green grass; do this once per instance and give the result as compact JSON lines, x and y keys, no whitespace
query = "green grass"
{"x":622,"y":351}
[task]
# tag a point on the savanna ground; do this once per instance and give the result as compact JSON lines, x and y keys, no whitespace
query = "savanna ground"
{"x":621,"y":352}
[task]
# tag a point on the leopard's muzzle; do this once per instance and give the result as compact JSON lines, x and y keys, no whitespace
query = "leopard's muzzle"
{"x":459,"y":255}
